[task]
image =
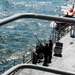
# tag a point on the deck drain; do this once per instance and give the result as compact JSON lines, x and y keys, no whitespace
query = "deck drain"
{"x":71,"y":42}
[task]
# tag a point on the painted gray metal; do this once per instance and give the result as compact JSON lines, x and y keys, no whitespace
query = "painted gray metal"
{"x":36,"y":16}
{"x":43,"y":17}
{"x":41,"y":68}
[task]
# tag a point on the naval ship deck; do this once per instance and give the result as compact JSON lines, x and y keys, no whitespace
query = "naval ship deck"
{"x":66,"y":62}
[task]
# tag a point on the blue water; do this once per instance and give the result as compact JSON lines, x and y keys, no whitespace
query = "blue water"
{"x":18,"y":36}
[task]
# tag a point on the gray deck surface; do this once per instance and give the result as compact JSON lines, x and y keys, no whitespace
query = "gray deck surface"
{"x":66,"y":62}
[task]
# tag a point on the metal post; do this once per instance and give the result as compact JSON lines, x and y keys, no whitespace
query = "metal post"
{"x":14,"y":63}
{"x":55,"y":37}
{"x":23,"y":58}
{"x":74,"y":30}
{"x":58,"y":36}
{"x":3,"y":69}
{"x":71,"y":31}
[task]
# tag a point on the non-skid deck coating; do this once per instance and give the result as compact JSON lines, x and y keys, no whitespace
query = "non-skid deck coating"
{"x":66,"y":62}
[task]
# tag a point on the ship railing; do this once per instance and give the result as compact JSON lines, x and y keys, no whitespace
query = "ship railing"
{"x":60,"y":33}
{"x":36,"y":16}
{"x":13,"y":70}
{"x":25,"y":58}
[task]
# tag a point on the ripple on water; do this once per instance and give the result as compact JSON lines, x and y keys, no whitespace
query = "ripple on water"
{"x":18,"y":36}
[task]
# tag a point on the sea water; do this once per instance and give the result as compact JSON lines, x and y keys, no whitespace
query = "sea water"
{"x":18,"y":36}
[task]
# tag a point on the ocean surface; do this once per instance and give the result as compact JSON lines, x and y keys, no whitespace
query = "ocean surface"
{"x":18,"y":36}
